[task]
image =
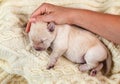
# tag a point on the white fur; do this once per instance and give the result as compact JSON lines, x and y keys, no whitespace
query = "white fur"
{"x":78,"y":45}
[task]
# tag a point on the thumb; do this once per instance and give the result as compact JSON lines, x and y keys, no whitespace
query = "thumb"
{"x":28,"y":27}
{"x":32,"y":20}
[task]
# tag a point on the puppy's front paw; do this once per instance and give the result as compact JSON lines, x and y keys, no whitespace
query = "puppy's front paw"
{"x":49,"y":66}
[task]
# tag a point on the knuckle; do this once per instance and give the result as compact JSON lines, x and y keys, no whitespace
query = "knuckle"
{"x":48,"y":5}
{"x":45,"y":4}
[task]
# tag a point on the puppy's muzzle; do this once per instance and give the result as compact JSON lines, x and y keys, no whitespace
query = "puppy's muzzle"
{"x":39,"y":49}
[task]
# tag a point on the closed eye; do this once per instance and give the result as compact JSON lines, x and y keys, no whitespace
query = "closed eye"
{"x":41,"y":41}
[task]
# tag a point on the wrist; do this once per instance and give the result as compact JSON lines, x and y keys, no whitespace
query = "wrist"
{"x":70,"y":17}
{"x":73,"y":16}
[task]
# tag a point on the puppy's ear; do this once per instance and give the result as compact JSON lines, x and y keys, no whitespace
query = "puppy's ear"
{"x":51,"y":26}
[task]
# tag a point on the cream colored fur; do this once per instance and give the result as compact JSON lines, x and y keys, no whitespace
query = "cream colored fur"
{"x":16,"y":56}
{"x":76,"y":44}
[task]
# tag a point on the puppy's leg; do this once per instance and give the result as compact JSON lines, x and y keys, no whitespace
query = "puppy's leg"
{"x":94,"y":71}
{"x":87,"y":67}
{"x":93,"y":56}
{"x":54,"y":57}
{"x":90,"y":63}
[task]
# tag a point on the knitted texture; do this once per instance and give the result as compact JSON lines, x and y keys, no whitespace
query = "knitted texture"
{"x":23,"y":65}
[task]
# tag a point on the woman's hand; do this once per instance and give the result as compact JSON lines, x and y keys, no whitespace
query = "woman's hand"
{"x":105,"y":25}
{"x":50,"y":13}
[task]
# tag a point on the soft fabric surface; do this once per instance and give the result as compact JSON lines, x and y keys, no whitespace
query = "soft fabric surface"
{"x":17,"y":58}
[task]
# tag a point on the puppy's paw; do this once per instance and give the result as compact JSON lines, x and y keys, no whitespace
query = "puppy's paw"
{"x":93,"y":72}
{"x":49,"y":66}
{"x":83,"y":68}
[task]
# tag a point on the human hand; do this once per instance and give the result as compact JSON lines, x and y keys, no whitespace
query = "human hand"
{"x":50,"y":13}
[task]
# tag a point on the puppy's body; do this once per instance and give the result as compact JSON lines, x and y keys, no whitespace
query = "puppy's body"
{"x":78,"y":45}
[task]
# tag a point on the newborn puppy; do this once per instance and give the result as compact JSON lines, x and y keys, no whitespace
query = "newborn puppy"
{"x":76,"y":44}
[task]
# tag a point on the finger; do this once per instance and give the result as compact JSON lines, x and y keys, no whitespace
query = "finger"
{"x":39,"y":11}
{"x":43,"y":9}
{"x":28,"y":27}
{"x":46,"y":18}
{"x":32,"y":20}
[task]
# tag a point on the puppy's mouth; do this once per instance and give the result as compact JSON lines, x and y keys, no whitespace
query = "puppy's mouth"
{"x":40,"y":49}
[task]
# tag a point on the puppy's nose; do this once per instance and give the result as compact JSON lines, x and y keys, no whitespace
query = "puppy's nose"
{"x":39,"y":49}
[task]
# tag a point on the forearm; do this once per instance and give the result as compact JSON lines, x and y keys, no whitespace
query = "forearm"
{"x":105,"y":25}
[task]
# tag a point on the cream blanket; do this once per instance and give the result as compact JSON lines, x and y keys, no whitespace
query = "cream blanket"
{"x":16,"y":57}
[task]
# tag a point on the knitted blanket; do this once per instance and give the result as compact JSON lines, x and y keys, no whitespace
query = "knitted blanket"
{"x":20,"y":64}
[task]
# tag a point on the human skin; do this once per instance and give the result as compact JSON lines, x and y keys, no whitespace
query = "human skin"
{"x":105,"y":25}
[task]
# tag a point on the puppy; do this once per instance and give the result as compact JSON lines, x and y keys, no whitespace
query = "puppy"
{"x":76,"y":44}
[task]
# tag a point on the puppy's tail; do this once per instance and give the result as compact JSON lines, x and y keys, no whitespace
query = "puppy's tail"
{"x":108,"y":64}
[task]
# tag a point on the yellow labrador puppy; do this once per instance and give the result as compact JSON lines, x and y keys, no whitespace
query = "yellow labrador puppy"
{"x":76,"y":44}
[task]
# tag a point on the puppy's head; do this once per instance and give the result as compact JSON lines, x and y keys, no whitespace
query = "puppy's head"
{"x":41,"y":35}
